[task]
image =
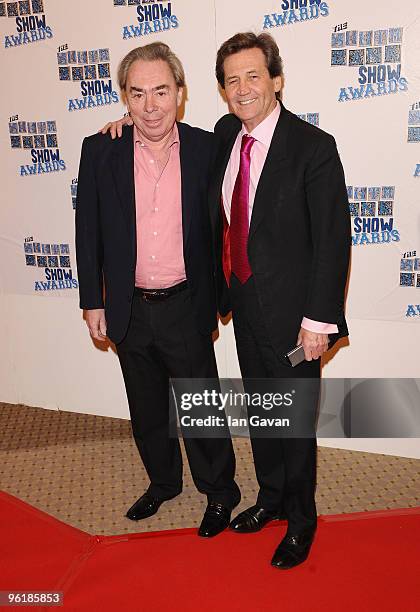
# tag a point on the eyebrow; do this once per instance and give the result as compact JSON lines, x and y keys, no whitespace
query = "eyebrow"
{"x":157,"y":88}
{"x":235,"y":76}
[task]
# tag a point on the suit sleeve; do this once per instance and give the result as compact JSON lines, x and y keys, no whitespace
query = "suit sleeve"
{"x":89,"y":250}
{"x":329,"y":216}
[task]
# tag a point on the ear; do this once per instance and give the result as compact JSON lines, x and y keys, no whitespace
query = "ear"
{"x":278,"y":81}
{"x":179,"y":95}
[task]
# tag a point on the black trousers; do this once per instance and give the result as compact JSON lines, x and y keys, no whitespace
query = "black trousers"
{"x":163,"y":342}
{"x":285,"y":467}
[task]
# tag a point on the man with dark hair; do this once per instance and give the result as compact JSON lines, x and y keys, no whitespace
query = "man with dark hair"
{"x":143,"y":233}
{"x":281,"y":223}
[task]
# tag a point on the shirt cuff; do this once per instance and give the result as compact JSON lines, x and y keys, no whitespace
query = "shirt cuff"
{"x":318,"y":327}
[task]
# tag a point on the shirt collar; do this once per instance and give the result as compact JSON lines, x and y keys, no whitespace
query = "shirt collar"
{"x":174,"y":139}
{"x":265,"y":130}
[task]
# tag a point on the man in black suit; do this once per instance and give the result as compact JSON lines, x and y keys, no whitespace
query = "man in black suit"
{"x":143,"y":239}
{"x":281,"y":223}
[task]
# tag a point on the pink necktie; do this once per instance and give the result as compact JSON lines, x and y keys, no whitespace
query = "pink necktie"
{"x":239,"y":221}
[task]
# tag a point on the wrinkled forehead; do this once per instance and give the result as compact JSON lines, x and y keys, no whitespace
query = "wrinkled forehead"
{"x":247,"y":60}
{"x":148,"y":75}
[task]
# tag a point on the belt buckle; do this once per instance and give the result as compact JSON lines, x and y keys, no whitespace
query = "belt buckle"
{"x":151,"y":296}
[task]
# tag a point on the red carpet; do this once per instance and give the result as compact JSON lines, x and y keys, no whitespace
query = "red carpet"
{"x":359,"y":562}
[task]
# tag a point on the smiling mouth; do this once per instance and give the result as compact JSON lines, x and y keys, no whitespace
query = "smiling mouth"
{"x":245,"y":102}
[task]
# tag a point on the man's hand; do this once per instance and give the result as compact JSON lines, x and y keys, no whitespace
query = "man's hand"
{"x":115,"y":127}
{"x":313,"y":344}
{"x":95,"y":320}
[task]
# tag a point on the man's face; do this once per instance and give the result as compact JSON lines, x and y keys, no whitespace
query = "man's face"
{"x":250,"y":91}
{"x":152,"y":98}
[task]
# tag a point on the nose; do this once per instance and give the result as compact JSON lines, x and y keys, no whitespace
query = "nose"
{"x":149,"y":104}
{"x":243,"y":88}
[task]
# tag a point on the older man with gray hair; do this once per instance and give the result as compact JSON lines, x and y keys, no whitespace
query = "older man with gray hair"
{"x":144,"y":257}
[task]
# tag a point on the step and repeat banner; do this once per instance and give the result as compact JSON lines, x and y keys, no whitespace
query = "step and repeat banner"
{"x":351,"y":68}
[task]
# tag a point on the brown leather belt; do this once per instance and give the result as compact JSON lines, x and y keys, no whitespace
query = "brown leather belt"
{"x":157,"y":295}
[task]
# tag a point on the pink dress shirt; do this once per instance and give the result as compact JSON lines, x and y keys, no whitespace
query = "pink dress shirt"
{"x":263,"y":135}
{"x":160,"y":256}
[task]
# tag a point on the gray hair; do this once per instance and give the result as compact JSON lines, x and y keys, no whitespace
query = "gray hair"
{"x":150,"y":53}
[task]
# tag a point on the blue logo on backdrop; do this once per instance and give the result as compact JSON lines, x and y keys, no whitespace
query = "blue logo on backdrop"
{"x":371,"y":209}
{"x":91,"y":69}
{"x":295,"y":11}
{"x":54,"y":261}
{"x":312,"y":118}
{"x":410,"y":277}
{"x":377,"y":56}
{"x":414,"y":123}
{"x":73,"y":190}
{"x":31,"y":23}
{"x":413,"y":310}
{"x":41,"y":141}
{"x":152,"y":17}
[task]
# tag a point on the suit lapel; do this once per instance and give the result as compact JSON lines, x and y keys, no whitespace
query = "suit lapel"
{"x":122,"y":164}
{"x":188,"y":182}
{"x":271,"y":176}
{"x":221,"y":162}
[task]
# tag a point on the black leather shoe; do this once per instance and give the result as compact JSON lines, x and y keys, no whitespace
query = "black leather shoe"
{"x":253,"y":519}
{"x":293,"y":550}
{"x":215,"y":520}
{"x":144,"y":507}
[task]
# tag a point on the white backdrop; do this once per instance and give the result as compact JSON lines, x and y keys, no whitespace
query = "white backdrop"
{"x":52,"y":52}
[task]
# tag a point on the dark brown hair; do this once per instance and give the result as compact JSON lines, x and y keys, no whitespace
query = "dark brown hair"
{"x":249,"y":40}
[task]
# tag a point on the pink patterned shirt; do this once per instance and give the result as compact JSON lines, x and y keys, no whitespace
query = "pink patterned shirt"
{"x":160,"y":256}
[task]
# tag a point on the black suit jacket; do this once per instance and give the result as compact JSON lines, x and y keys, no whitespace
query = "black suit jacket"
{"x":106,"y":241}
{"x":299,"y":235}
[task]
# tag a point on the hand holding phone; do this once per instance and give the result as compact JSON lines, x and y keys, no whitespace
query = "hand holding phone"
{"x":295,"y":356}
